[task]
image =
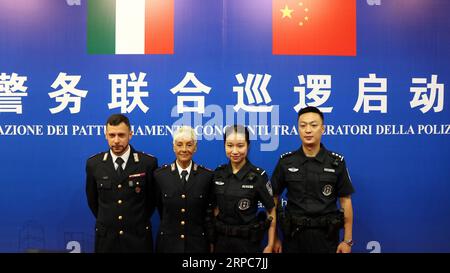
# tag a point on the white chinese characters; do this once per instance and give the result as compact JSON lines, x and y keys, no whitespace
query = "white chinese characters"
{"x":183,"y":88}
{"x":320,"y":86}
{"x":372,"y":90}
{"x":67,"y":94}
{"x":428,"y":94}
{"x":120,"y":92}
{"x":12,"y":89}
{"x":255,"y":86}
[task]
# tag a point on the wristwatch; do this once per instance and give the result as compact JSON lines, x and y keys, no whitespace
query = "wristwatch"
{"x":349,"y":242}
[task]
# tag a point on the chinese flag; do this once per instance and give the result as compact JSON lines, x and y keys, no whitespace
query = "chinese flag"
{"x":314,"y":27}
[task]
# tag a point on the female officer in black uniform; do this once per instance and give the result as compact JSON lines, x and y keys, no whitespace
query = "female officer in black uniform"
{"x":238,"y":186}
{"x":183,"y":192}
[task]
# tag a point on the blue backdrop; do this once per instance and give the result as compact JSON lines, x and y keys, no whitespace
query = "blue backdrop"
{"x":399,"y":164}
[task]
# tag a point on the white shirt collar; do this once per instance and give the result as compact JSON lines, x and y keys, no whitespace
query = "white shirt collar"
{"x":188,"y":169}
{"x":125,"y":157}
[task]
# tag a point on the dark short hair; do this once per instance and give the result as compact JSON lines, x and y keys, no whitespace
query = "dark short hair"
{"x":310,"y":109}
{"x":237,"y":129}
{"x":117,"y":119}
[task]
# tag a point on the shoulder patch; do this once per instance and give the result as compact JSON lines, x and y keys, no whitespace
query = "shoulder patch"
{"x":286,"y":154}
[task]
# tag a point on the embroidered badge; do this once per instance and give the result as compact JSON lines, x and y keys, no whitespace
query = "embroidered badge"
{"x":327,"y":190}
{"x":244,"y":204}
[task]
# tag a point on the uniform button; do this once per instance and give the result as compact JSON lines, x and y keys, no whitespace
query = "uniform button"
{"x":182,"y":236}
{"x":182,"y":223}
{"x":147,"y":227}
{"x":119,"y":186}
{"x":183,"y":196}
{"x":120,"y":217}
{"x":137,"y":183}
{"x":121,"y":232}
{"x":183,"y":210}
{"x":162,"y":233}
{"x":120,"y":201}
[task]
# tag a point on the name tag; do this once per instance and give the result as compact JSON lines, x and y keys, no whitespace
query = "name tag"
{"x":329,"y":170}
{"x":247,"y":186}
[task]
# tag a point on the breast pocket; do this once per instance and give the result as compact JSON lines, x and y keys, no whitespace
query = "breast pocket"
{"x":104,"y":184}
{"x":296,"y":182}
{"x":327,"y":185}
{"x":219,"y":187}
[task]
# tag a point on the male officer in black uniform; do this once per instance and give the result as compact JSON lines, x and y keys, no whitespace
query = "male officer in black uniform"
{"x":120,"y":192}
{"x":315,"y":179}
{"x":183,"y":194}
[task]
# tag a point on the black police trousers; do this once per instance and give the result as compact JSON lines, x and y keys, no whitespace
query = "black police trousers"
{"x":311,"y":240}
{"x":231,"y":244}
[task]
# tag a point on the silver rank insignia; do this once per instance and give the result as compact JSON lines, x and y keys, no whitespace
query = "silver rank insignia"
{"x":293,"y":170}
{"x":172,"y":167}
{"x":327,"y":190}
{"x":244,"y":204}
{"x":136,"y":157}
{"x":105,"y":157}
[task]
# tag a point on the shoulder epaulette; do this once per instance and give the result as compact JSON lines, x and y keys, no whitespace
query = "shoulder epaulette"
{"x":286,"y":154}
{"x":221,"y":167}
{"x":336,"y":155}
{"x":165,"y":166}
{"x":94,"y":155}
{"x":259,"y":171}
{"x":144,"y":153}
{"x":203,"y":167}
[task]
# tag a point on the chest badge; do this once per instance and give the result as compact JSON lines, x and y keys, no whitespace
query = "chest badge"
{"x":244,"y":204}
{"x":247,"y":186}
{"x":329,"y":170}
{"x":220,"y":183}
{"x":293,"y":170}
{"x":327,"y":190}
{"x":137,"y":189}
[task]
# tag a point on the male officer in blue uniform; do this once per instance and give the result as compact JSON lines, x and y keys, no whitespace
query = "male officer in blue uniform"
{"x":183,"y":199}
{"x":315,"y":179}
{"x":120,"y":192}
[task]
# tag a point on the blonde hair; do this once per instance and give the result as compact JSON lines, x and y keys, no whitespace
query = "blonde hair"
{"x":185,"y":131}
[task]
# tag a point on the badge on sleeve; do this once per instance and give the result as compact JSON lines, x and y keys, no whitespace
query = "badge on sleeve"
{"x":327,"y":190}
{"x":269,"y":188}
{"x":244,"y":204}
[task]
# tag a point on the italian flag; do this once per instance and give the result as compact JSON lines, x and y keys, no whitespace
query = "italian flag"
{"x":130,"y":26}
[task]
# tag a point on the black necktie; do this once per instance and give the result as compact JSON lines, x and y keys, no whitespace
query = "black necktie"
{"x":184,"y":173}
{"x":119,"y":169}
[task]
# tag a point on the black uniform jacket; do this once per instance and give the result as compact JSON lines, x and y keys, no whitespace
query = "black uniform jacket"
{"x":313,"y":184}
{"x":122,"y":205}
{"x":183,"y":209}
{"x":237,"y":195}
